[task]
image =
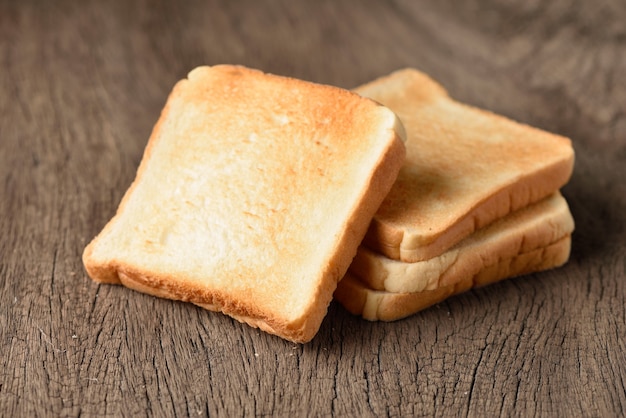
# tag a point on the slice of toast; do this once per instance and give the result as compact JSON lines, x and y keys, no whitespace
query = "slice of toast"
{"x":465,"y":168}
{"x":377,"y":305}
{"x":252,"y":196}
{"x":527,"y":229}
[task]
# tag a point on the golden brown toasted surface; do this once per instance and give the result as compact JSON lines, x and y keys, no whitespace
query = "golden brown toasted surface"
{"x":377,"y":305}
{"x":252,"y":196}
{"x":535,"y":226}
{"x":465,"y":167}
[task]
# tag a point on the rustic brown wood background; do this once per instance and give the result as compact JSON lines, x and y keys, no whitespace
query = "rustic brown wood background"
{"x":81,"y":84}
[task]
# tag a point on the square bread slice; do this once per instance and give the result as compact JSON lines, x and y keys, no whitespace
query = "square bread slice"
{"x":379,"y":305}
{"x":465,"y":168}
{"x":535,"y":226}
{"x":252,"y":196}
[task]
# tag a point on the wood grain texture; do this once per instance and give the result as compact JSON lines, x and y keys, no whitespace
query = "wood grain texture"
{"x":82,"y":83}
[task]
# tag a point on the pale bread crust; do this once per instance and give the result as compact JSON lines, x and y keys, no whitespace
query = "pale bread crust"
{"x":534,"y":226}
{"x":465,"y":168}
{"x":356,"y":167}
{"x":376,"y":305}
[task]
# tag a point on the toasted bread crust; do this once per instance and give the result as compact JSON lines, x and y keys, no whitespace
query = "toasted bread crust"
{"x":535,"y":226}
{"x":465,"y":168}
{"x":239,"y":222}
{"x":376,"y":305}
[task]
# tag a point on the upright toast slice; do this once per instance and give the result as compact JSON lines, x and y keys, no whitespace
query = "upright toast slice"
{"x":464,"y":169}
{"x":535,"y":226}
{"x":252,"y":196}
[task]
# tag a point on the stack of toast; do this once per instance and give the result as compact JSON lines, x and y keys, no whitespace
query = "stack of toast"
{"x":261,"y":196}
{"x":477,"y":201}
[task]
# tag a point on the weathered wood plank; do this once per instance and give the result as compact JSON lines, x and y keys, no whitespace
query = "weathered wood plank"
{"x":82,"y":83}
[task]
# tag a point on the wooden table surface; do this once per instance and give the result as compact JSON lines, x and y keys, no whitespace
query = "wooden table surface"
{"x":82,"y":83}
